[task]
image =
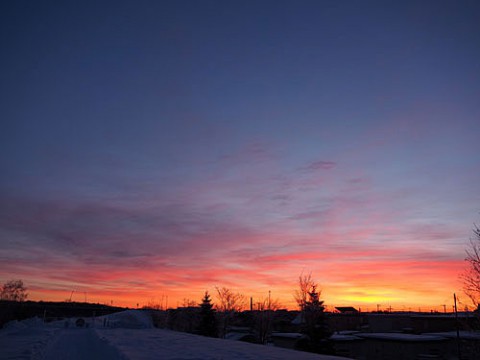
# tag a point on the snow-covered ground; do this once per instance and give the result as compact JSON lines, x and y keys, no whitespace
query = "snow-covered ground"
{"x":27,"y":339}
{"x":128,"y":335}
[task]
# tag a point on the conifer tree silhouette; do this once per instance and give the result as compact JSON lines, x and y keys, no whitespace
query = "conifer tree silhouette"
{"x":208,"y":320}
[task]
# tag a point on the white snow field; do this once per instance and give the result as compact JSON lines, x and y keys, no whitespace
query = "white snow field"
{"x":127,"y":335}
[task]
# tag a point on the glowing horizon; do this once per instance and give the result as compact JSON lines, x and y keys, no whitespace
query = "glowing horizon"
{"x":394,"y":298}
{"x":359,"y":292}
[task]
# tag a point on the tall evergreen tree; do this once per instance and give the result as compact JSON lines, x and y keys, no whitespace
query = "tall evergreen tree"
{"x":314,"y":323}
{"x":208,"y":320}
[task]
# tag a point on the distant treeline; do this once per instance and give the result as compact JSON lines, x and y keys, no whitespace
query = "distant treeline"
{"x":13,"y":310}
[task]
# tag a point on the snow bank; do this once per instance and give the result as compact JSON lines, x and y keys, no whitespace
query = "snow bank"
{"x":129,"y":319}
{"x":28,"y":323}
{"x":26,"y":339}
{"x":80,"y":344}
{"x":150,"y":344}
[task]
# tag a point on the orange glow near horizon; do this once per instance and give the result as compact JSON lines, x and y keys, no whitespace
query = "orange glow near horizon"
{"x":367,"y":274}
{"x":396,"y":285}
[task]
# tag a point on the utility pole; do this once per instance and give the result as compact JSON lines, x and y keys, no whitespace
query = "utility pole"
{"x":456,"y":320}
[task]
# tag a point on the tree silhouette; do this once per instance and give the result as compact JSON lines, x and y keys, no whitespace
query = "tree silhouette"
{"x":314,"y":324}
{"x":471,"y":278}
{"x":208,"y":320}
{"x":13,"y":290}
{"x":228,"y":304}
{"x":263,"y":318}
{"x":305,"y":284}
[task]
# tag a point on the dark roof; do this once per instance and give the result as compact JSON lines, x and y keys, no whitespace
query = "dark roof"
{"x":346,"y":309}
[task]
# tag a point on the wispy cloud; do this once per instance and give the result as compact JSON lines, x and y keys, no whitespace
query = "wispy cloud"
{"x":319,"y":165}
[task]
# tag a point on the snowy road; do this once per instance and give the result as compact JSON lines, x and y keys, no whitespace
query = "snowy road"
{"x":79,"y":344}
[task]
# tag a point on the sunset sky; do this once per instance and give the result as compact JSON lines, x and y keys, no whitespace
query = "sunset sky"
{"x":162,"y":148}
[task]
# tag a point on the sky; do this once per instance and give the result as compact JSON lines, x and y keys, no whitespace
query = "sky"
{"x":158,"y":149}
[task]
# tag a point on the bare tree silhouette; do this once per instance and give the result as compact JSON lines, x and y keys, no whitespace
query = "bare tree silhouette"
{"x":305,"y":285}
{"x":471,"y":277}
{"x":228,"y":304}
{"x":263,"y":318}
{"x":13,"y":290}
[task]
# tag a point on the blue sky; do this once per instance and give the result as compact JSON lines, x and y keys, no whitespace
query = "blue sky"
{"x":157,"y":134}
